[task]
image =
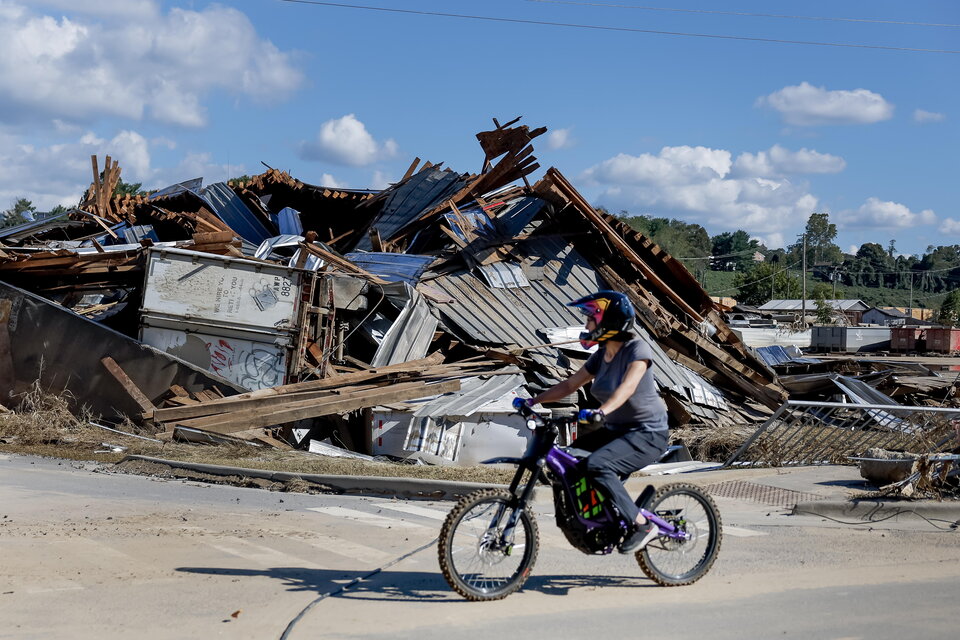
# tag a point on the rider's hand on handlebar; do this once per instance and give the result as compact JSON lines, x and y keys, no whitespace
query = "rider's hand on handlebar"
{"x":519,"y":403}
{"x":587,"y":416}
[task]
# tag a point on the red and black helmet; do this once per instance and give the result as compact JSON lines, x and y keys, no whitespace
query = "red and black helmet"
{"x":612,"y":313}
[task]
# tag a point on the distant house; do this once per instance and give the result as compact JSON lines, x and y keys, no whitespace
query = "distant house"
{"x":790,"y":310}
{"x":884,"y":317}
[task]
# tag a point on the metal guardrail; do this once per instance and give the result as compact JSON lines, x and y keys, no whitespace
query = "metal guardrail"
{"x":805,"y":433}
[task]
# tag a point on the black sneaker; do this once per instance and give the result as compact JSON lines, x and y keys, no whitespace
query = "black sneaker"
{"x":639,"y":537}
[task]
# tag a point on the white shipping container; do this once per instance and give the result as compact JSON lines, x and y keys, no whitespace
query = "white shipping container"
{"x":195,"y":286}
{"x":252,"y":364}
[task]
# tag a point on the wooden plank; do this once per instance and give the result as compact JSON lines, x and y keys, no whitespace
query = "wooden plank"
{"x":251,"y":419}
{"x":128,"y":385}
{"x":285,"y":391}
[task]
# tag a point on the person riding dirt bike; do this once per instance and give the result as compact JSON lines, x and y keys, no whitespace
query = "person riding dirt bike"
{"x":634,"y":433}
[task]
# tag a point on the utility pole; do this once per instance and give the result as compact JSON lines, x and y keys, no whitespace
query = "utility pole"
{"x":803,"y":301}
{"x":910,"y":308}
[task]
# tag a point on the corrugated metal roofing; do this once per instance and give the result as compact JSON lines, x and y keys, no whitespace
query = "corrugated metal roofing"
{"x":504,"y":275}
{"x":474,"y":393}
{"x":228,"y":206}
{"x":392,"y":267}
{"x":797,"y":305}
{"x":517,"y":316}
{"x":22,"y":231}
{"x":418,"y":193}
{"x":775,"y":354}
{"x":410,"y":335}
{"x":515,"y":218}
{"x":192,"y":186}
{"x":512,"y":316}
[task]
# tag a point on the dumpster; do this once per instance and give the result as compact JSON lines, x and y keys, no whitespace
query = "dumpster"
{"x":943,"y":340}
{"x":905,"y":339}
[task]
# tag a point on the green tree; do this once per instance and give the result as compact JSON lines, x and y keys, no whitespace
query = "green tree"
{"x":765,"y":281}
{"x":950,"y":309}
{"x":820,"y":293}
{"x":733,"y":251}
{"x":680,"y":239}
{"x":820,"y":233}
{"x":21,"y":211}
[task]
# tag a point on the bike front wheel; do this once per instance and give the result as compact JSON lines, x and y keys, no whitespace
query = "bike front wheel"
{"x":480,"y":559}
{"x":670,"y":562}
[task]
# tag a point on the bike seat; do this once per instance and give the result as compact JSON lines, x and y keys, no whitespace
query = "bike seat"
{"x":577,"y":453}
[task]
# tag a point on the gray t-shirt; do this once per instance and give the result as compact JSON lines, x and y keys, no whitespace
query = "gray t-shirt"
{"x":645,"y":405}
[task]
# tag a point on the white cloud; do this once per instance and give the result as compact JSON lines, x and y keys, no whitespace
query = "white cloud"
{"x":380,"y":180}
{"x":92,"y":64}
{"x":806,"y":105}
{"x":881,"y":214}
{"x":346,"y":141}
{"x":107,"y":8}
{"x":327,"y":180}
{"x":923,"y":117}
{"x":61,"y":173}
{"x":674,"y":165}
{"x":949,"y":226}
{"x":697,"y":184}
{"x":778,"y":161}
{"x":560,"y":139}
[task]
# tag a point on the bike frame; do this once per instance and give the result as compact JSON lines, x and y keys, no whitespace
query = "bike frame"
{"x":543,"y":452}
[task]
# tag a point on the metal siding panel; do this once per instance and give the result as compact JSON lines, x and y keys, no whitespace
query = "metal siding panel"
{"x":393,"y":267}
{"x":408,"y":200}
{"x":231,"y":209}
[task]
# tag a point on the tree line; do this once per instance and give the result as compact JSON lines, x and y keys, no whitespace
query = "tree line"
{"x":763,"y":274}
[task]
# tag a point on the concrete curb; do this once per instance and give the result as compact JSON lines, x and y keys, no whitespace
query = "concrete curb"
{"x":874,"y":511}
{"x":411,"y":488}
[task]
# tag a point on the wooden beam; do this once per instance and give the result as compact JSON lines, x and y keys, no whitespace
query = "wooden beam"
{"x":128,"y":385}
{"x":252,"y":418}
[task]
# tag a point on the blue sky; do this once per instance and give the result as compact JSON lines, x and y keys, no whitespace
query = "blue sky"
{"x":728,"y":133}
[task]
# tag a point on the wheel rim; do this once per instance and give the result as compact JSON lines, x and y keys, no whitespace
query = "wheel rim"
{"x":481,"y":559}
{"x":678,"y":559}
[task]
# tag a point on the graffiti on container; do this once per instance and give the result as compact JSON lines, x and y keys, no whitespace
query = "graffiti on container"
{"x":246,"y":364}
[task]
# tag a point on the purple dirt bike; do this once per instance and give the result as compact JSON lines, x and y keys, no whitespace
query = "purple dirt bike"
{"x":489,"y":541}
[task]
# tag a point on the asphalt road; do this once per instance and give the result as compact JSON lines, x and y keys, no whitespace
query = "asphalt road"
{"x":88,"y":554}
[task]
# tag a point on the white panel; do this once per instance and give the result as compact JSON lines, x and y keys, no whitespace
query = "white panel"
{"x":251,"y":364}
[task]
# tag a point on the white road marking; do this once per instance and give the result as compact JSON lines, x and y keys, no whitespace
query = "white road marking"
{"x":737,"y":532}
{"x":260,"y":554}
{"x":416,"y":510}
{"x":373,"y":519}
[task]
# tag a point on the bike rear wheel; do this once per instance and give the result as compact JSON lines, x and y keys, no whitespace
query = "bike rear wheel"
{"x":670,"y":562}
{"x":476,"y":559}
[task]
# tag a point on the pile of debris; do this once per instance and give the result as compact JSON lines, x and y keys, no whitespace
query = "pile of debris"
{"x":398,"y":322}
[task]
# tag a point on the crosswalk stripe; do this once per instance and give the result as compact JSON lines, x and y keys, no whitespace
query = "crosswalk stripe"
{"x":416,"y":510}
{"x":385,"y":522}
{"x":263,"y":555}
{"x":737,"y":532}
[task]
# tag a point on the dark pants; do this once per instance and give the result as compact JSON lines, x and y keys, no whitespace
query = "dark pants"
{"x":618,"y":452}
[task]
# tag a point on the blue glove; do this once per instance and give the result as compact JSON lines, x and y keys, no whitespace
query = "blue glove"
{"x":588,"y":416}
{"x":519,"y":403}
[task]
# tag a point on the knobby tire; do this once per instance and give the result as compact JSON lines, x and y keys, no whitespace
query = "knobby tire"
{"x":703,"y":551}
{"x":525,"y":533}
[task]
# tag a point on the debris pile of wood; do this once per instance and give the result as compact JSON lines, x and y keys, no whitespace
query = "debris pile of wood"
{"x":317,"y":306}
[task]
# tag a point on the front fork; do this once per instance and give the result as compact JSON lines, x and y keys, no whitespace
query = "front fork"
{"x":505,"y":541}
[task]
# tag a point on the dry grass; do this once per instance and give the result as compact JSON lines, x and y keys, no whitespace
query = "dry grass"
{"x":44,"y":418}
{"x":714,"y":443}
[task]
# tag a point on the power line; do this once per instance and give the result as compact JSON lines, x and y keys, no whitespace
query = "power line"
{"x":767,"y":277}
{"x":573,"y":25}
{"x":742,"y":13}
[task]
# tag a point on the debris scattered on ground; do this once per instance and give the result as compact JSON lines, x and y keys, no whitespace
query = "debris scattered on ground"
{"x":270,"y":313}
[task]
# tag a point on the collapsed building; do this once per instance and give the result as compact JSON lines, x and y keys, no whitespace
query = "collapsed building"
{"x":397,"y":322}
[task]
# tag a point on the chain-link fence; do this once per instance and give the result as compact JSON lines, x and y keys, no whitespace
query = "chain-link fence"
{"x":803,"y":433}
